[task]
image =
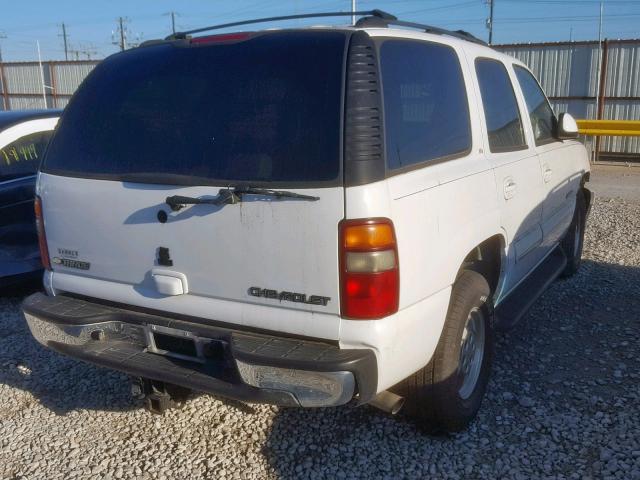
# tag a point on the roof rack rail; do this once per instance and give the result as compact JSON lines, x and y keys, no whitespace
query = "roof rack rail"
{"x":374,"y":21}
{"x":374,"y":14}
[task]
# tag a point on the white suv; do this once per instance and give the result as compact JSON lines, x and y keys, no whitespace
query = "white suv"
{"x":306,"y":217}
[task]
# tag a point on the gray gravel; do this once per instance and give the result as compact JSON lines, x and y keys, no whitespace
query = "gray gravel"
{"x":564,"y":402}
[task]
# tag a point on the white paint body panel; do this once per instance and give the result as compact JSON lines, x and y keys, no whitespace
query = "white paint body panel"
{"x":286,"y":245}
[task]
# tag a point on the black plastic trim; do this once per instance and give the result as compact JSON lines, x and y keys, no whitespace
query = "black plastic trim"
{"x":375,"y":13}
{"x":364,"y":150}
{"x":510,"y":149}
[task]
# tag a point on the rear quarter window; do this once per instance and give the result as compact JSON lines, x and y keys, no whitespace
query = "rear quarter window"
{"x":426,"y":114}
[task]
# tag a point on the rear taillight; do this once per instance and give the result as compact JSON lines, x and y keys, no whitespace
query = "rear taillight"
{"x":42,"y":237}
{"x":369,"y":274}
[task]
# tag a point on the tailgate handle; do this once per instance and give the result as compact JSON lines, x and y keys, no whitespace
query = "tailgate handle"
{"x":170,"y":283}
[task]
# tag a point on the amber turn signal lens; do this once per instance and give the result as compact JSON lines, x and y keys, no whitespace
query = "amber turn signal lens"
{"x":375,"y":235}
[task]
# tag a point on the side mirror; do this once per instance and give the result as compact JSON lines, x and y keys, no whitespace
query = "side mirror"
{"x":566,"y":127}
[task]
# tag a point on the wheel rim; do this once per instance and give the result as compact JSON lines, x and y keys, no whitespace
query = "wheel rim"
{"x":471,"y":352}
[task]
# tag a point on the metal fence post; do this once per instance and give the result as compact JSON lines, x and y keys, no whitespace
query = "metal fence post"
{"x":52,"y":78}
{"x":602,"y":87}
{"x":5,"y":88}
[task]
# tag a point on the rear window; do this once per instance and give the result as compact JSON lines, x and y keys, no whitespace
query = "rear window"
{"x":266,"y":110}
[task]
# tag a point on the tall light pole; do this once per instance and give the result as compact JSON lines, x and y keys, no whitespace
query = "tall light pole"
{"x":44,"y":90}
{"x":353,"y":12}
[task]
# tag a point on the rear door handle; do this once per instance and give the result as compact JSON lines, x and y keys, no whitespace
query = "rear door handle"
{"x":546,"y":174}
{"x":510,"y":188}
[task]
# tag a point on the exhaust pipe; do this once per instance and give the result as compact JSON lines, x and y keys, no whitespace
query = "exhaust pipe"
{"x":388,"y":402}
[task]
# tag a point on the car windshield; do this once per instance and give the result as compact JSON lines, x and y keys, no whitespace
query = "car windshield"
{"x":22,"y":157}
{"x":266,"y":110}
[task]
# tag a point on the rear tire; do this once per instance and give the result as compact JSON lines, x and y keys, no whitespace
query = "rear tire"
{"x":573,"y":240}
{"x":447,"y":393}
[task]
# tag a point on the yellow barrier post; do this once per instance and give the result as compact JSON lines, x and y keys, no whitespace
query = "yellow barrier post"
{"x":626,"y":128}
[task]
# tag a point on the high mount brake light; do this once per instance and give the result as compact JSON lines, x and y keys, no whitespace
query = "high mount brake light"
{"x":42,"y":237}
{"x":225,"y":37}
{"x":369,"y":270}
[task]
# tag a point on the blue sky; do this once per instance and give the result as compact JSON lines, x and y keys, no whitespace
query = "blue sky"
{"x":90,"y":23}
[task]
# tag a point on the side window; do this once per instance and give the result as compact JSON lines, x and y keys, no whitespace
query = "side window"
{"x":500,"y":106}
{"x":540,"y":113}
{"x":426,"y":113}
{"x":22,"y":156}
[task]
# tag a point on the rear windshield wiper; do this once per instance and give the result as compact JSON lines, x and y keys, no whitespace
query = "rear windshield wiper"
{"x":228,"y":196}
{"x":272,"y":193}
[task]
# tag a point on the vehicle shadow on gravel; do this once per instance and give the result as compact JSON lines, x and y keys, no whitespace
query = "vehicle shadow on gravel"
{"x":558,"y":379}
{"x":59,"y":383}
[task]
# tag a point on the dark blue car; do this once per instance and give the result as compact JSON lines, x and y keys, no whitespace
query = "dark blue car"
{"x":24,"y":136}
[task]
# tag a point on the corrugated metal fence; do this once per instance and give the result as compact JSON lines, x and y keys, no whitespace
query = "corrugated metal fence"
{"x":569,"y":73}
{"x":590,"y":82}
{"x":22,"y":84}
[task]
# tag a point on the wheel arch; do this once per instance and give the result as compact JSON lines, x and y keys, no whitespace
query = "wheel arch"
{"x":488,"y":258}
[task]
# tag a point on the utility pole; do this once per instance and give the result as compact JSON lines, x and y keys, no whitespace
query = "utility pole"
{"x":64,"y":38}
{"x":173,"y":16}
{"x":2,"y":37}
{"x":123,"y":38}
{"x":490,"y":21}
{"x":123,"y":42}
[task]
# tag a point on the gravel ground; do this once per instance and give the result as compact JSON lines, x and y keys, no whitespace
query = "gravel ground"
{"x":564,"y":402}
